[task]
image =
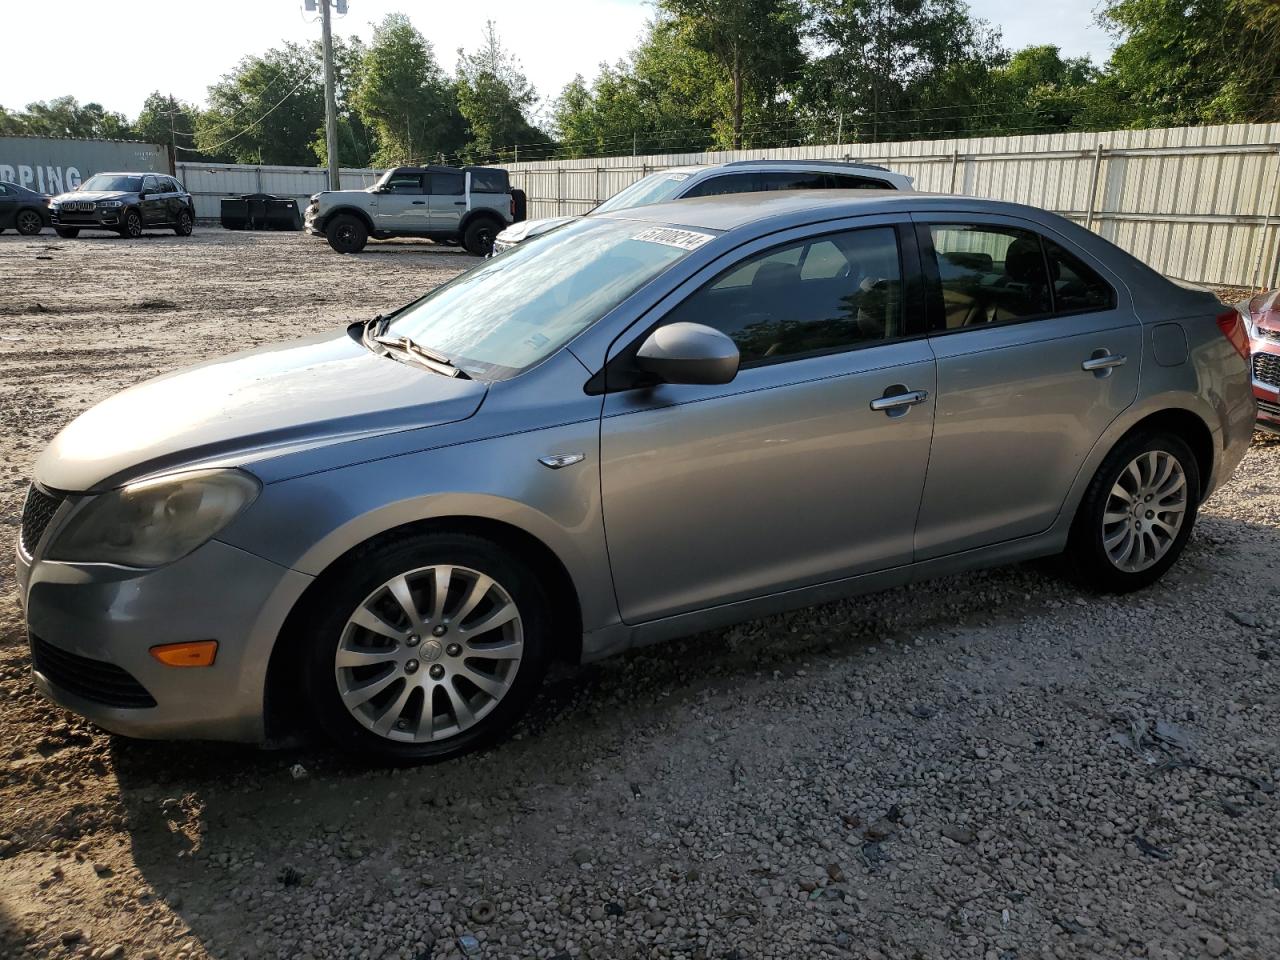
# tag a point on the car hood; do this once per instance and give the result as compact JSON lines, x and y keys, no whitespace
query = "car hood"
{"x":321,"y":390}
{"x":94,"y":195}
{"x":533,"y":228}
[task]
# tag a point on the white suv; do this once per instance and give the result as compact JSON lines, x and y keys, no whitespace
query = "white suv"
{"x":737,"y":176}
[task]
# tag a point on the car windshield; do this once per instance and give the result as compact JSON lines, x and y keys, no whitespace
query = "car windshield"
{"x":112,"y":181}
{"x":654,"y":188}
{"x":515,"y":310}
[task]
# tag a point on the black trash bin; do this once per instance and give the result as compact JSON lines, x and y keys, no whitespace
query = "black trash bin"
{"x":261,"y":211}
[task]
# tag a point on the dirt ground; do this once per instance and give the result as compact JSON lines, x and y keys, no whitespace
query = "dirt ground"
{"x":990,"y":766}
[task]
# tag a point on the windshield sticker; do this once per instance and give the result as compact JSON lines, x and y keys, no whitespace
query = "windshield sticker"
{"x":684,"y":239}
{"x":678,"y":177}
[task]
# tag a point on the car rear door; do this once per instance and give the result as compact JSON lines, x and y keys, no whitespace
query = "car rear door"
{"x":401,"y":206}
{"x":1038,"y":352}
{"x":808,"y":466}
{"x":8,"y":206}
{"x":448,"y":200}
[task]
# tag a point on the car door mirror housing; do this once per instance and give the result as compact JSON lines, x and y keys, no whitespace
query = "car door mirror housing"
{"x":688,"y":353}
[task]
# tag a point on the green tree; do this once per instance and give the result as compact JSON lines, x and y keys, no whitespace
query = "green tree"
{"x":1196,"y":61}
{"x":67,"y":117}
{"x":402,"y":94}
{"x":167,"y":120}
{"x":495,"y":98}
{"x":357,"y":141}
{"x":754,"y":43}
{"x":898,"y":68}
{"x":267,"y":109}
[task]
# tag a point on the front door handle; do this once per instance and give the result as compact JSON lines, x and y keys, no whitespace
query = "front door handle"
{"x":1101,"y":360}
{"x":459,"y":203}
{"x":893,"y":402}
{"x":418,"y":203}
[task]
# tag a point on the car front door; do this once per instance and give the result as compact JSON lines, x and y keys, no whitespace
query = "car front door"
{"x":808,"y":466}
{"x":1037,"y":354}
{"x":402,"y":204}
{"x":153,"y":201}
{"x":8,"y":206}
{"x":448,"y":200}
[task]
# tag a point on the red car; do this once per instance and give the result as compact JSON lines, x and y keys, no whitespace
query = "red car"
{"x":1264,"y":342}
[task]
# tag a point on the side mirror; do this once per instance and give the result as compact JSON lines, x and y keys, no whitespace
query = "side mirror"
{"x":689,"y":353}
{"x":143,"y":194}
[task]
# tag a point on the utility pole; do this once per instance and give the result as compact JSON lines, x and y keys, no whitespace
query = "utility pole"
{"x":330,"y":102}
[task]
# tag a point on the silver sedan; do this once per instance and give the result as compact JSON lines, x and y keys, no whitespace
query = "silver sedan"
{"x":649,"y":423}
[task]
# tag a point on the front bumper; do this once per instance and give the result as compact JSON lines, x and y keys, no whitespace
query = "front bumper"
{"x":93,"y":627}
{"x":96,"y":219}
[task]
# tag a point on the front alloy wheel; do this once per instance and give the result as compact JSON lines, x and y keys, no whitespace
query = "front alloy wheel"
{"x":429,"y":654}
{"x":424,"y":646}
{"x":132,"y":227}
{"x":28,"y":223}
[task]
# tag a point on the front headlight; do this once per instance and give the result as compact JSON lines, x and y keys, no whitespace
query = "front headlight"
{"x":154,"y":522}
{"x":110,"y":204}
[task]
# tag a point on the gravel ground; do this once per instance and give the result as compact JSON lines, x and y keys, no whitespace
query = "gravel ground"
{"x":991,"y":766}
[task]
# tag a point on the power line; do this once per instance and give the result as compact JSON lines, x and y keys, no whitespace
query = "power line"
{"x":218,"y":146}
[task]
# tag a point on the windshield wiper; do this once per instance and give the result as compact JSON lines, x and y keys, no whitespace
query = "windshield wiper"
{"x":428,"y":358}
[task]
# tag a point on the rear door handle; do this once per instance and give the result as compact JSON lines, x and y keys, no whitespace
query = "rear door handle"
{"x":459,"y":203}
{"x":418,"y":203}
{"x":891,"y":402}
{"x":1102,"y":360}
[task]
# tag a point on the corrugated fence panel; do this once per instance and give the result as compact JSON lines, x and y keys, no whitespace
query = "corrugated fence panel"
{"x":1200,"y":203}
{"x":210,"y":182}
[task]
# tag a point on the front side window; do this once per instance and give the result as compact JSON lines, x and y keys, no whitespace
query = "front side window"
{"x":990,"y":274}
{"x":150,"y":185}
{"x":730,"y":183}
{"x":405,"y":182}
{"x":513,"y":311}
{"x":820,"y":295}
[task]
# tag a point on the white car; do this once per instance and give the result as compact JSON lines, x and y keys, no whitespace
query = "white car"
{"x":738,"y":176}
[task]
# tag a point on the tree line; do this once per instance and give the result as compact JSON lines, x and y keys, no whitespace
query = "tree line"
{"x":708,"y":74}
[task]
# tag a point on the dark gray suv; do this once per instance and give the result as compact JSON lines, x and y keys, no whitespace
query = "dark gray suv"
{"x":126,"y":203}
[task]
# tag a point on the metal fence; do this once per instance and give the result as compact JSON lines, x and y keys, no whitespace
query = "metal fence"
{"x":55,"y":164}
{"x":210,"y":182}
{"x":1199,"y":203}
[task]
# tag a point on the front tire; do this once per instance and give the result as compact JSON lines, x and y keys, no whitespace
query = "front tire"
{"x":28,"y":223}
{"x":67,"y":233}
{"x":184,"y":225}
{"x":425,"y":647}
{"x":346,"y":234}
{"x":131,"y":225}
{"x":478,"y":238}
{"x":1136,"y":515}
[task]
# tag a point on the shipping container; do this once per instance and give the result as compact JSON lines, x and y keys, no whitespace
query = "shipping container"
{"x":53,"y":165}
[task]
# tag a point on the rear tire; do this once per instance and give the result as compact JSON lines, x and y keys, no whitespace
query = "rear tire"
{"x":1136,"y":515}
{"x":427,"y":665}
{"x":478,"y":238}
{"x":28,"y":222}
{"x":184,"y":225}
{"x":131,"y":225}
{"x":346,"y":234}
{"x":67,"y":233}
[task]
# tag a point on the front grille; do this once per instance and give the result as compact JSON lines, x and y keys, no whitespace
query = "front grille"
{"x":88,"y":679}
{"x":83,"y":205}
{"x":36,"y":514}
{"x":1266,"y":368}
{"x":1271,"y":409}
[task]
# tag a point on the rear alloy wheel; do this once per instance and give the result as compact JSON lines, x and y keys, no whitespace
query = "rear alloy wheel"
{"x":28,"y":223}
{"x":183,"y":227}
{"x":1137,"y":514}
{"x":346,"y":234}
{"x":131,"y":225}
{"x":479,"y":236}
{"x":441,"y":651}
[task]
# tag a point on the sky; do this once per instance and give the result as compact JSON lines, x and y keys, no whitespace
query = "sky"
{"x":554,"y":39}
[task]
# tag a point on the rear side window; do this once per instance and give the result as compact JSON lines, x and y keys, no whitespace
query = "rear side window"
{"x":489,"y":181}
{"x":845,"y":181}
{"x":813,"y":296}
{"x":791,"y":181}
{"x":446,"y":184}
{"x":1076,"y":288}
{"x":990,"y":274}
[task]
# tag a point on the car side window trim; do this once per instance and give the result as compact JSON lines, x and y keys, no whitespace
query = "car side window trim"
{"x":935,"y":308}
{"x":914,"y":322}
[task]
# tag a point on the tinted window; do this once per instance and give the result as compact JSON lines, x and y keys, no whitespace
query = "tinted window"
{"x":109,"y":181}
{"x":790,"y":181}
{"x":489,"y":181}
{"x":651,"y":189}
{"x":776,"y":305}
{"x":1076,"y":288}
{"x":151,"y":184}
{"x":407,"y":182}
{"x":175,"y":186}
{"x":717,"y":186}
{"x":447,"y":184}
{"x":990,"y":274}
{"x":4,"y":191}
{"x":845,"y":181}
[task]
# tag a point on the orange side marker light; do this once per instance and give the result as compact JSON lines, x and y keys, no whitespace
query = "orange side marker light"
{"x":199,"y":653}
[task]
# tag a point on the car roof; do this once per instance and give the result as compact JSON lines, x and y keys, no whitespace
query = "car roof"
{"x":129,"y":173}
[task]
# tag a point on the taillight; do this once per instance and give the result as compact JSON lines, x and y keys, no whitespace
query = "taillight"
{"x":1232,"y":326}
